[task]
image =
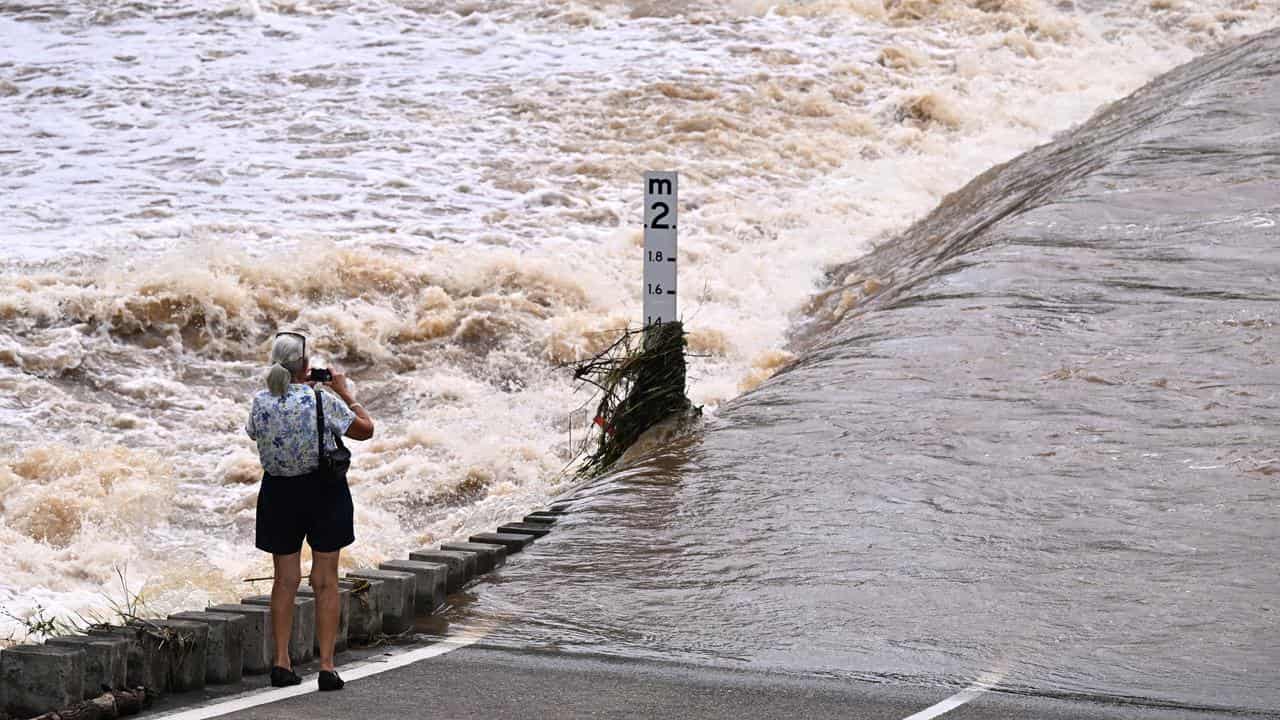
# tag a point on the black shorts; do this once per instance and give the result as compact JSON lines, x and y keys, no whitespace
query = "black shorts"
{"x":312,"y":506}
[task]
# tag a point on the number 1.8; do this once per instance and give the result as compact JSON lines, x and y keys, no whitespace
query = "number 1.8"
{"x":655,"y":256}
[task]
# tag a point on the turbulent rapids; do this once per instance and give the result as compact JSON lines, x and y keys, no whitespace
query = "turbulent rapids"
{"x":445,"y":195}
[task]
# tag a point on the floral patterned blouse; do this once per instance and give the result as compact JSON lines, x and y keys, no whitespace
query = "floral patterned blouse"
{"x":285,"y":428}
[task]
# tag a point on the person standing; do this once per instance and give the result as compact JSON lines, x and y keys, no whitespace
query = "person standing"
{"x":304,"y":495}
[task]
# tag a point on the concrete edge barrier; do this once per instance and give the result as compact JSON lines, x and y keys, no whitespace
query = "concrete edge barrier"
{"x":224,"y":659}
{"x":433,"y":579}
{"x":365,"y":620}
{"x":512,"y":542}
{"x":258,"y":648}
{"x":222,"y":643}
{"x":461,"y":566}
{"x":344,"y":618}
{"x":182,"y":660}
{"x":488,"y":557}
{"x":163,"y":655}
{"x":142,"y":657}
{"x":398,"y":593}
{"x":533,"y":529}
{"x":106,"y":661}
{"x":302,"y":636}
{"x":35,"y":679}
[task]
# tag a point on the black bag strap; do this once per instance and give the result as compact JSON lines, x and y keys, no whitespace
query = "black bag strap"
{"x":319,"y":427}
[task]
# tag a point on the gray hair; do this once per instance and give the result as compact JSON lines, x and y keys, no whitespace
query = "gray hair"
{"x":286,"y":361}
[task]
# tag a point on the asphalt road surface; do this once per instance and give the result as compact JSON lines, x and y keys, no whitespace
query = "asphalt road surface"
{"x":488,"y":683}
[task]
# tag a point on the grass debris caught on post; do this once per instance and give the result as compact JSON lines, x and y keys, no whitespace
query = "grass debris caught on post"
{"x":641,"y":382}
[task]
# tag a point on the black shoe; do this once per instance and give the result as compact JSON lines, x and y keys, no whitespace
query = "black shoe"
{"x":284,"y":677}
{"x":329,"y":680}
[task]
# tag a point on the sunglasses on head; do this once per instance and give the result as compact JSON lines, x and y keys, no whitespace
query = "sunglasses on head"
{"x":297,"y":335}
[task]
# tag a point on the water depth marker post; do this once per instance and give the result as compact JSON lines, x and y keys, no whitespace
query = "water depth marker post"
{"x":660,"y":199}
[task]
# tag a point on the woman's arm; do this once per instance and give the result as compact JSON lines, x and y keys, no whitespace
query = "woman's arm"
{"x":362,"y":427}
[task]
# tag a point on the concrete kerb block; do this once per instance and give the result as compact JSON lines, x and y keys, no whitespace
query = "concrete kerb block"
{"x":184,"y":648}
{"x":143,"y":663}
{"x":365,"y":621}
{"x":462,"y":566}
{"x":396,"y":595}
{"x":224,"y":656}
{"x":488,"y":557}
{"x":432,"y":582}
{"x":512,"y":542}
{"x":533,"y":529}
{"x":344,"y":618}
{"x":35,"y":679}
{"x":302,"y":635}
{"x":255,"y":639}
{"x":106,"y":661}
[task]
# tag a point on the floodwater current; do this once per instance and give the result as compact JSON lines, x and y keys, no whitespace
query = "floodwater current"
{"x":1030,"y":434}
{"x":1044,"y":447}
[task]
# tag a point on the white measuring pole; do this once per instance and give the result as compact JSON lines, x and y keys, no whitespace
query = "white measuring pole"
{"x":659,"y":248}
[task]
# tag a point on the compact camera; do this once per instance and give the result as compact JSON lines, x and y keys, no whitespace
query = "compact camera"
{"x":320,"y":375}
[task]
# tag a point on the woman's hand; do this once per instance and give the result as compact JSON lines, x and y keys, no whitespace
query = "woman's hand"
{"x":361,"y":428}
{"x":339,"y":384}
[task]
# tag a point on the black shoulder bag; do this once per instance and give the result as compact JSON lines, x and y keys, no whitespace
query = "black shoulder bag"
{"x":332,"y":465}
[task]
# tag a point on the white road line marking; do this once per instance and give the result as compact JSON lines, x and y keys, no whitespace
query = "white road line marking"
{"x":354,"y":672}
{"x":984,"y":683}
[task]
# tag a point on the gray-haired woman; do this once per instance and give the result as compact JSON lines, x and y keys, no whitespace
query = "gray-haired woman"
{"x":298,"y":499}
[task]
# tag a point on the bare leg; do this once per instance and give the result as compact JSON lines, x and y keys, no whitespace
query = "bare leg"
{"x":324,"y":581}
{"x":283,"y":592}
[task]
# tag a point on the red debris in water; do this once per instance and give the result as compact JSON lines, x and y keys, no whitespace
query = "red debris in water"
{"x":608,"y":428}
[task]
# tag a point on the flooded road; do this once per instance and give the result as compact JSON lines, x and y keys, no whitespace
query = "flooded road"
{"x":1034,"y":435}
